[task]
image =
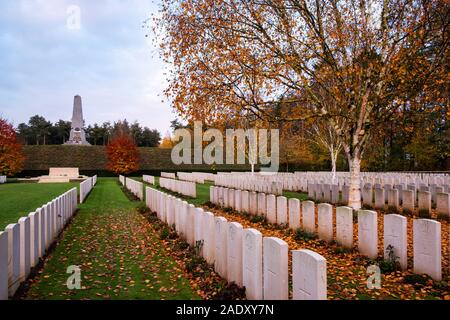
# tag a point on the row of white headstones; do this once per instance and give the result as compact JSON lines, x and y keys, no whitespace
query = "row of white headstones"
{"x":186,"y":188}
{"x":169,"y":175}
{"x":280,"y":210}
{"x":86,"y":187}
{"x":148,"y":179}
{"x":377,"y":177}
{"x":299,"y":181}
{"x":198,"y":177}
{"x":24,"y":243}
{"x":135,"y":187}
{"x":244,"y":256}
{"x":396,"y":197}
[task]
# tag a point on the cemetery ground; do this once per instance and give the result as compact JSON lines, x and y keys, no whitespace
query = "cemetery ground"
{"x":346,"y":269}
{"x":118,"y":252}
{"x":19,"y":198}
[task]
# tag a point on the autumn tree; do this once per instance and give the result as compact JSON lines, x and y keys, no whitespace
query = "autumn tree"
{"x":123,"y":155}
{"x":234,"y":58}
{"x":11,"y":155}
{"x":166,"y":142}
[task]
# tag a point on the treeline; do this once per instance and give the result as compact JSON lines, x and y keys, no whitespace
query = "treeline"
{"x":40,"y":131}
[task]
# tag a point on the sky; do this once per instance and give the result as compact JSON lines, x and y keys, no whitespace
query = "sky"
{"x":52,"y":50}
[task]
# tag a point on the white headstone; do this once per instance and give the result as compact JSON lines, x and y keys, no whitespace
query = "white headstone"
{"x":325,"y":221}
{"x":198,"y":226}
{"x":238,"y":200}
{"x":393,"y":198}
{"x":408,"y":200}
{"x":13,"y":231}
{"x":4,"y":265}
{"x":234,"y":269}
{"x":368,"y":233}
{"x":221,"y":253}
{"x":275,"y":269}
{"x":271,"y":208}
{"x":25,"y":263}
{"x":379,"y":198}
{"x":395,"y":235}
{"x":34,"y":239}
{"x":308,"y":216}
{"x":244,"y":201}
{"x":443,"y":205}
{"x":424,"y":201}
{"x":294,"y":213}
{"x":253,"y":203}
{"x":427,"y":247}
{"x":190,"y":223}
{"x":309,"y":275}
{"x":282,"y":210}
{"x":344,"y":226}
{"x":262,"y":204}
{"x":210,"y":238}
{"x":231,"y":198}
{"x":252,"y":261}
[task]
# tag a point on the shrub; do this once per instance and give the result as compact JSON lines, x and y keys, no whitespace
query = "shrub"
{"x":424,"y":213}
{"x":391,"y":264}
{"x":304,"y":235}
{"x":392,"y":209}
{"x":407,"y":212}
{"x":164,"y":233}
{"x":231,"y":292}
{"x":417,"y":280}
{"x":257,"y":219}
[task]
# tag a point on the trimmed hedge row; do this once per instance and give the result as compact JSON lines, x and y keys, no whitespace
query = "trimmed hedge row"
{"x":92,"y":160}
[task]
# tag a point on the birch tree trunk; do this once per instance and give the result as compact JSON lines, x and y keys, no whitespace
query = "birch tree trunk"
{"x":333,"y":167}
{"x":354,"y":199}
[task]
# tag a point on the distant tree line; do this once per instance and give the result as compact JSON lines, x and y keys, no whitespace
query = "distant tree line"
{"x":39,"y":131}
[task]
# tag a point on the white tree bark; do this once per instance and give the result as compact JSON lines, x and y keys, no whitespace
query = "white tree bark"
{"x":333,"y":166}
{"x":354,"y":199}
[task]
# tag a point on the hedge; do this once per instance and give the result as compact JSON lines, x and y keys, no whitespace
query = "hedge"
{"x":92,"y":160}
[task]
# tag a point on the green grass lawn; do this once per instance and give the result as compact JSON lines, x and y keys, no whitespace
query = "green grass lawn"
{"x":19,"y":199}
{"x":119,"y":256}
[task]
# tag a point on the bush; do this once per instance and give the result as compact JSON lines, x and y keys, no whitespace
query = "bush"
{"x":391,"y":264}
{"x":164,"y":233}
{"x":143,"y":209}
{"x":181,"y":246}
{"x":424,"y":213}
{"x":231,"y":292}
{"x":304,"y":235}
{"x":407,"y":212}
{"x":417,"y":280}
{"x":392,"y":209}
{"x":257,"y":219}
{"x":92,"y":159}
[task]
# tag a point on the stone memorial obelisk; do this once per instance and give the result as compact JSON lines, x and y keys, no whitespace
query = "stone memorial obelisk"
{"x":77,"y":134}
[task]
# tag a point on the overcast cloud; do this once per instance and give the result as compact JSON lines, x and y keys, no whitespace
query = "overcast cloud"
{"x":108,"y":61}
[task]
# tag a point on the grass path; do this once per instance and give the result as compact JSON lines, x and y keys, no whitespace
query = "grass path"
{"x":18,"y":199}
{"x":119,"y":256}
